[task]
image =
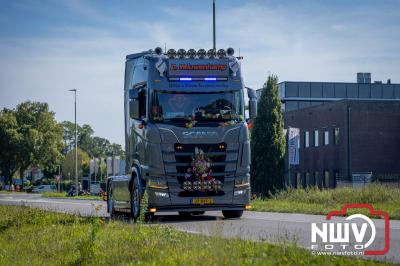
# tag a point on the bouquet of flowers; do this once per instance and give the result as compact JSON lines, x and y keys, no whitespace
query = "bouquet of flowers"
{"x":198,"y":175}
{"x":200,"y":168}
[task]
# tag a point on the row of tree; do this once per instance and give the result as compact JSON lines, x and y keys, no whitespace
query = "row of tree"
{"x":93,"y":145}
{"x":31,"y":136}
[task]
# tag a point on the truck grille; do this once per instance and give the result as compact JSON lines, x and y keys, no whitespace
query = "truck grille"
{"x":178,"y":161}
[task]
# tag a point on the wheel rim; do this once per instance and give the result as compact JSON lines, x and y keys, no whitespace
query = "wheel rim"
{"x":110,"y":201}
{"x":135,"y":200}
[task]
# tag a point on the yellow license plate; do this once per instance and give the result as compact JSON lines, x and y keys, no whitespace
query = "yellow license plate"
{"x":203,"y":201}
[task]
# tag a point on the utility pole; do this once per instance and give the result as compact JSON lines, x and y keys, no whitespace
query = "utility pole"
{"x":76,"y":149}
{"x":214,"y":46}
{"x":59,"y":178}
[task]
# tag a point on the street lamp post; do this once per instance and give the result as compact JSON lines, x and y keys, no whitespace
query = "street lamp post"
{"x":76,"y":149}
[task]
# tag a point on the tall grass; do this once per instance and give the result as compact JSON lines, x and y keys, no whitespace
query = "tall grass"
{"x":317,"y":201}
{"x":35,"y":237}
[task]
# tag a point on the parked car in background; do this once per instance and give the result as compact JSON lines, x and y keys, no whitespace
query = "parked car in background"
{"x":95,"y":188}
{"x":44,"y":188}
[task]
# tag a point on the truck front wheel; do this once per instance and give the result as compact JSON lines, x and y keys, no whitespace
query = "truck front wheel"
{"x":232,"y":213}
{"x":135,"y":199}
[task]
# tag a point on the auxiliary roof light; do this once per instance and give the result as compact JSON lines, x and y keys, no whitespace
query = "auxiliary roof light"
{"x":171,"y":53}
{"x":221,"y":53}
{"x":191,"y":53}
{"x":201,"y":53}
{"x":181,"y":53}
{"x":230,"y":51}
{"x":211,"y":53}
{"x":158,"y":50}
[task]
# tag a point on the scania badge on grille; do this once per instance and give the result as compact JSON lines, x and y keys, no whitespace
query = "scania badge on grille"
{"x":199,"y":134}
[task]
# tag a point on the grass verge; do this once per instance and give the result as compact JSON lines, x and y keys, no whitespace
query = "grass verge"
{"x":64,"y":195}
{"x":316,"y":201}
{"x":43,"y":238}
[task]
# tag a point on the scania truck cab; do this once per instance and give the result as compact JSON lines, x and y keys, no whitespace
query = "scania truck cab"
{"x":186,"y":136}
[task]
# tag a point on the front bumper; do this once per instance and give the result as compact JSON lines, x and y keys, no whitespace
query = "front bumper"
{"x":170,"y":199}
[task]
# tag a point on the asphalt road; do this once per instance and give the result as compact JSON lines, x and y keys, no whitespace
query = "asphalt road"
{"x":256,"y":226}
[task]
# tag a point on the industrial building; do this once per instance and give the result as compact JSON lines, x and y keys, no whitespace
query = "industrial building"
{"x":348,"y":131}
{"x":341,"y":140}
{"x":297,"y":95}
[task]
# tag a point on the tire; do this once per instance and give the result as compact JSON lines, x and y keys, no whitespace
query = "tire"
{"x":198,"y":212}
{"x":149,"y":217}
{"x":230,"y":214}
{"x":185,"y":214}
{"x":110,"y":202}
{"x":135,"y":199}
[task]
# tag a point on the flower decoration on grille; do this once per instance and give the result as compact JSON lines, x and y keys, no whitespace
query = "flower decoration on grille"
{"x":199,"y":174}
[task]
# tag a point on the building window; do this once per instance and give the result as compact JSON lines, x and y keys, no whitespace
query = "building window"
{"x":336,"y":136}
{"x":326,"y":137}
{"x":317,"y":180}
{"x":316,"y":143}
{"x":306,"y":139}
{"x":326,"y":179}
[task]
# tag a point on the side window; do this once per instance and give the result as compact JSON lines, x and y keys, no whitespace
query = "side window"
{"x":139,"y":83}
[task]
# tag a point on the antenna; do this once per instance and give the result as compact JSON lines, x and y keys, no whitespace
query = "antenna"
{"x":165,"y":47}
{"x":214,"y":47}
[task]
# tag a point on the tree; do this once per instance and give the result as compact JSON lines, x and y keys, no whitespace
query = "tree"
{"x":94,"y":146}
{"x":10,"y":141}
{"x":268,"y":142}
{"x":30,"y":136}
{"x":68,"y":165}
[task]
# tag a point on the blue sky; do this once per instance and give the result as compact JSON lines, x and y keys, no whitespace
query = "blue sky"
{"x":49,"y":47}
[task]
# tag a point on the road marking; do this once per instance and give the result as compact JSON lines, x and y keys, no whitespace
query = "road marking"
{"x":47,"y":201}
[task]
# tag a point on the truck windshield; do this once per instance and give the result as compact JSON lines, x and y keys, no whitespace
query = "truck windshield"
{"x":174,"y":107}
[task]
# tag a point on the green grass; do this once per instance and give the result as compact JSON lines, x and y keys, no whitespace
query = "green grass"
{"x":316,"y":201}
{"x":64,"y":195}
{"x":35,"y":237}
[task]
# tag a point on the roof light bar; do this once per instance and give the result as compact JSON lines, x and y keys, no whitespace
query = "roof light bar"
{"x":210,"y":79}
{"x":185,"y":79}
{"x":191,"y":53}
{"x":181,"y":53}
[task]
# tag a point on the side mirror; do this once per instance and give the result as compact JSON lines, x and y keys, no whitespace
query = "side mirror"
{"x":252,"y":102}
{"x":253,"y":108}
{"x":134,"y":108}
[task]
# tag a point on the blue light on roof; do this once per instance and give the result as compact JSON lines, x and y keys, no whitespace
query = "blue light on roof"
{"x":210,"y":79}
{"x":185,"y":79}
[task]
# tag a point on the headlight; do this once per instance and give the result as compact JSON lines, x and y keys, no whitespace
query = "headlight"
{"x":242,"y":182}
{"x":157,"y":183}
